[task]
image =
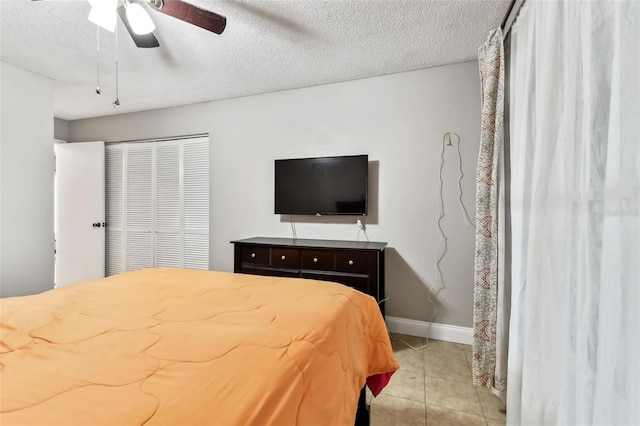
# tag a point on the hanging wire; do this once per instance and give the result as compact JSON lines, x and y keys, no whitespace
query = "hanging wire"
{"x":98,"y":91}
{"x":293,"y":227}
{"x":438,"y":285}
{"x":361,"y":228}
{"x":116,"y":102}
{"x":442,"y":243}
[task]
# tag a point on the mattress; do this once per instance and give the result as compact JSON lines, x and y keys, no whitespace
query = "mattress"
{"x":185,"y":347}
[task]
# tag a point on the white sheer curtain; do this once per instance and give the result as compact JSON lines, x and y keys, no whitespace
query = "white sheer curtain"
{"x":574,"y":353}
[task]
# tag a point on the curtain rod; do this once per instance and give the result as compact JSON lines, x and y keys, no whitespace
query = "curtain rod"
{"x":516,"y":5}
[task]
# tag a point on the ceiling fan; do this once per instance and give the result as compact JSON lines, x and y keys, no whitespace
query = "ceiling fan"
{"x":139,"y":24}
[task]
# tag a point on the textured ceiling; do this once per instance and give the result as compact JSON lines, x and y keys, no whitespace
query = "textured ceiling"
{"x":267,"y":46}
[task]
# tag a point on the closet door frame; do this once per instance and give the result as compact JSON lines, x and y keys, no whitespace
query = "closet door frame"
{"x":185,"y":246}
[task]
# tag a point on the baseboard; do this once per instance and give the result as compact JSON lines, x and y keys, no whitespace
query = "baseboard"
{"x":431,"y":330}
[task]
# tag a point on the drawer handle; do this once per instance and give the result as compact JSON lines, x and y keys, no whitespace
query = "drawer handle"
{"x":351,"y":262}
{"x":283,"y":257}
{"x":315,"y":260}
{"x":253,"y":255}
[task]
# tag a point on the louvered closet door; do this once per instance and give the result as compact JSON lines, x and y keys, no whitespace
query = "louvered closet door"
{"x":196,"y":203}
{"x":168,"y":205}
{"x":114,"y":203}
{"x":157,"y":205}
{"x":139,"y":207}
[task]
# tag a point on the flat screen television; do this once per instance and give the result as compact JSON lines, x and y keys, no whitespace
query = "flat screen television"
{"x":322,"y":186}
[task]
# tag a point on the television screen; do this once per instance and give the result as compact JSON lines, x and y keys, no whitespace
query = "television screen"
{"x":322,"y":186}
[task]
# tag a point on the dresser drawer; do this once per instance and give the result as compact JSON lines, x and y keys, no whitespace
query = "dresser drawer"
{"x":359,"y":283}
{"x":255,"y":255}
{"x":285,"y":257}
{"x":320,"y":260}
{"x":357,"y":264}
{"x":281,"y":272}
{"x":353,"y":261}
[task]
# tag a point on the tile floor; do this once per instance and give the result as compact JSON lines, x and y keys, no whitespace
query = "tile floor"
{"x":433,"y":388}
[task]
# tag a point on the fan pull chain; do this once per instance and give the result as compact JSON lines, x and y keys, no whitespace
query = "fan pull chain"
{"x":98,"y":60}
{"x":117,"y":101}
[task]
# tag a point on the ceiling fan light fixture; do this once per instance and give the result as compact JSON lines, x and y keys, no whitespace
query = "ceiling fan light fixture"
{"x":103,"y":13}
{"x":138,"y":18}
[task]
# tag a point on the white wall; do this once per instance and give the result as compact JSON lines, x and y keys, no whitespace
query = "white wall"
{"x":26,"y":182}
{"x":398,"y":120}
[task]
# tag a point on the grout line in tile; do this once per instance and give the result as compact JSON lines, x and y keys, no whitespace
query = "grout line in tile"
{"x":425,"y":405}
{"x":444,"y":356}
{"x":448,"y":408}
{"x":449,"y":380}
{"x":486,"y":422}
{"x":401,"y":397}
{"x":481,"y":405}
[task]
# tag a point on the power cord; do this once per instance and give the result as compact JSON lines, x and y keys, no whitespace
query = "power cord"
{"x":439,"y":284}
{"x":361,"y":227}
{"x":442,"y":241}
{"x":393,"y":337}
{"x":293,"y":227}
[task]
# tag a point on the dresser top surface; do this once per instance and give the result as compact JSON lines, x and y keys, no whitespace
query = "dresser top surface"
{"x":291,"y":242}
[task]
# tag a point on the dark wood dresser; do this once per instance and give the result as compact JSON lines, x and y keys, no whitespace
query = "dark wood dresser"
{"x":358,"y":264}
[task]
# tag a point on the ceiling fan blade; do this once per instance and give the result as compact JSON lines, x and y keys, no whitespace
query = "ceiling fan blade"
{"x":141,"y":40}
{"x":192,"y":14}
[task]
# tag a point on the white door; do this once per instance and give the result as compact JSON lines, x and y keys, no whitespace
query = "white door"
{"x":80,"y":212}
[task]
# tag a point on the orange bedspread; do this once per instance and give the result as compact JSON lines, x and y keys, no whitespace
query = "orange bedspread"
{"x":183,"y":347}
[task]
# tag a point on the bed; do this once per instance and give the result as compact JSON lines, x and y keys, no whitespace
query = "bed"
{"x":185,"y":347}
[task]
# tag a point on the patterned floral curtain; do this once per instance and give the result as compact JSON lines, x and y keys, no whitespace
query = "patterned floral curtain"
{"x":491,"y":292}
